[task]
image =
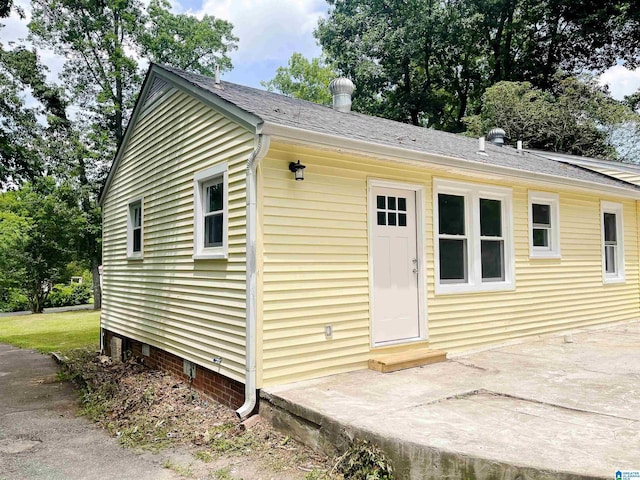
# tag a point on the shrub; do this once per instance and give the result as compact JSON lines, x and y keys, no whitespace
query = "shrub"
{"x":13,"y":301}
{"x":66,"y":295}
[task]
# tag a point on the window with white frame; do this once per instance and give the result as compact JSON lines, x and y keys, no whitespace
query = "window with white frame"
{"x":544,"y":225}
{"x":211,"y":212}
{"x":135,"y":229}
{"x":473,"y":230}
{"x":612,"y":242}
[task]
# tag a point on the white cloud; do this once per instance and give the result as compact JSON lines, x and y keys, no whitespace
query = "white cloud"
{"x":269,"y":30}
{"x":621,"y":81}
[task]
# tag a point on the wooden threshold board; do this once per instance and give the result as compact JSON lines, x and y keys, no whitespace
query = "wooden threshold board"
{"x":400,"y":361}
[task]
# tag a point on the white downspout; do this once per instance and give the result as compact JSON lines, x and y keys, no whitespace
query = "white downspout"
{"x":251,"y":267}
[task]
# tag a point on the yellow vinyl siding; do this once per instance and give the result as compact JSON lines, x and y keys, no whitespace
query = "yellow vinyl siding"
{"x":192,"y":308}
{"x":315,"y":267}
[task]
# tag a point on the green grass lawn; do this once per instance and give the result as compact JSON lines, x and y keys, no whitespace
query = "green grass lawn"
{"x":52,"y":332}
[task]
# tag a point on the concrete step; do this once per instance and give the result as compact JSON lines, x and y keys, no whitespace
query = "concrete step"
{"x":400,"y":361}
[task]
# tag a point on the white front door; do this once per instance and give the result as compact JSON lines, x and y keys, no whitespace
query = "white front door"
{"x":395,"y":263}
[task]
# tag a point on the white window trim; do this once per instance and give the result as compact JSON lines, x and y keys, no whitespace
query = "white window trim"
{"x":617,"y":209}
{"x":131,"y":255}
{"x":553,"y":200}
{"x":200,"y":252}
{"x":472,"y":193}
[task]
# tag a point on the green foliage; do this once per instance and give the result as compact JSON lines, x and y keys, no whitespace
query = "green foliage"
{"x":365,"y":461}
{"x":303,"y":79}
{"x":185,"y":41}
{"x":429,"y":62}
{"x":13,"y":300}
{"x":576,"y":117}
{"x":36,"y":238}
{"x":62,"y":295}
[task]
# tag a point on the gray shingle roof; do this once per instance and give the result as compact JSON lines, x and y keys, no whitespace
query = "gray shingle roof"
{"x":286,"y":111}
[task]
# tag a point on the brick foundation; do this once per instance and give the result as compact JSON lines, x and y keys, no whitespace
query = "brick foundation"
{"x":220,"y":388}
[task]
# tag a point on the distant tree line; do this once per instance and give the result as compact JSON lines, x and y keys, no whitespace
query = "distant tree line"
{"x":469,"y":65}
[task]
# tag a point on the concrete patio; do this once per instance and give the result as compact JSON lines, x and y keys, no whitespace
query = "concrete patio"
{"x":543,"y":409}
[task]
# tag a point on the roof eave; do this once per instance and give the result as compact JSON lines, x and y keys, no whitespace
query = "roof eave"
{"x":405,"y":155}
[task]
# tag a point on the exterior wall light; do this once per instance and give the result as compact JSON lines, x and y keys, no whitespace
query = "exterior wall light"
{"x":298,"y":170}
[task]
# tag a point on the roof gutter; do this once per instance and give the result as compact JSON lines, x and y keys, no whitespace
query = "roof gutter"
{"x":250,"y":396}
{"x":408,"y":156}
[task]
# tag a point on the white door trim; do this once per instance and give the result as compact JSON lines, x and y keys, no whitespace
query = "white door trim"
{"x":420,"y":246}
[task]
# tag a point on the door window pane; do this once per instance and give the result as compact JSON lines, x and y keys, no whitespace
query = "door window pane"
{"x":391,"y":203}
{"x":492,"y":253}
{"x":451,"y":214}
{"x":392,"y":218}
{"x":610,"y":227}
{"x":453,"y":259}
{"x":541,"y":213}
{"x":382,"y":218}
{"x":490,"y":218}
{"x":402,"y":204}
{"x":381,"y":201}
{"x":402,"y":219}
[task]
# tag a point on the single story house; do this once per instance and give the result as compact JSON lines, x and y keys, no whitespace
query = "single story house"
{"x":218,"y":263}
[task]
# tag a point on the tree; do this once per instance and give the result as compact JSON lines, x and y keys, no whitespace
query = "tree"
{"x":36,"y":232}
{"x":186,"y":42}
{"x":303,"y":79}
{"x":101,"y":42}
{"x":577,"y":117}
{"x":427,"y":62}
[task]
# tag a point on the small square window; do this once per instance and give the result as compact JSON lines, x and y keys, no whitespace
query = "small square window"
{"x":402,"y":204}
{"x":544,"y":225}
{"x":392,"y":218}
{"x":381,"y":200}
{"x":382,"y":218}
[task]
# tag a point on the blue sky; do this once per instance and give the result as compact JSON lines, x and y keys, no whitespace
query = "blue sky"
{"x":269,"y":32}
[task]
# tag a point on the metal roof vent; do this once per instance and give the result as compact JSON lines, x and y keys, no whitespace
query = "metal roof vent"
{"x":341,"y":89}
{"x":496,"y":136}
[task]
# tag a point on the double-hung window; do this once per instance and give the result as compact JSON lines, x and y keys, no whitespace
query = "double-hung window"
{"x":612,"y":242}
{"x":211,"y":213}
{"x":473,"y":237}
{"x":135,"y":229}
{"x":544,"y":225}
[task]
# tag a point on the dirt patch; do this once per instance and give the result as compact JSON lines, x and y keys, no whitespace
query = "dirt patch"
{"x":150,"y":410}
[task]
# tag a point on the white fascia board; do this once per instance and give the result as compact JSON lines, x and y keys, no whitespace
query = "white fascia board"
{"x":403,"y":155}
{"x":247,"y":120}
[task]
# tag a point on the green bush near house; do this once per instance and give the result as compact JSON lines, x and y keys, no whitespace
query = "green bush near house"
{"x":67,"y":295}
{"x":52,"y":332}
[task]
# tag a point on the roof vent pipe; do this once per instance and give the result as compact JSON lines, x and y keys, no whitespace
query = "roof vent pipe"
{"x":496,"y":136}
{"x":217,"y":74}
{"x":341,"y":89}
{"x":481,"y":144}
{"x":519,"y":146}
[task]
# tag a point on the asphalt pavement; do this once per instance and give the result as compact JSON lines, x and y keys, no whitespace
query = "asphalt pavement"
{"x":43,"y":438}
